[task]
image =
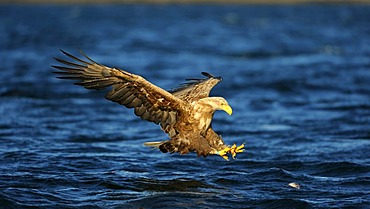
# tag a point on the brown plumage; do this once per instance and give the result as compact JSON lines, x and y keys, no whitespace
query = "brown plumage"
{"x":185,"y":114}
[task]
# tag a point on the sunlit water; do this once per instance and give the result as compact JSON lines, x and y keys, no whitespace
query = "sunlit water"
{"x":297,"y":77}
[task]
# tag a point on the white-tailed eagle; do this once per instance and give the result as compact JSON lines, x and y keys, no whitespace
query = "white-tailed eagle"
{"x":185,"y":114}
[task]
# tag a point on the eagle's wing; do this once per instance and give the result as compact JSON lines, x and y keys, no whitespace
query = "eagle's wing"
{"x":151,"y":102}
{"x":196,"y":89}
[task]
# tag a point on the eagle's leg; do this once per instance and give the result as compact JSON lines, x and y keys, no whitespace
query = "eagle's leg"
{"x":233,"y":150}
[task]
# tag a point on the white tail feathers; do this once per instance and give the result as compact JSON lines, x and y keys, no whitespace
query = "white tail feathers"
{"x":154,"y":144}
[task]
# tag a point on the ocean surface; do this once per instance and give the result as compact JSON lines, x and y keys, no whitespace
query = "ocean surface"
{"x":297,"y":77}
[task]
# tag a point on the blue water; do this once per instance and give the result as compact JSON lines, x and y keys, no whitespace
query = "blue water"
{"x":297,"y":77}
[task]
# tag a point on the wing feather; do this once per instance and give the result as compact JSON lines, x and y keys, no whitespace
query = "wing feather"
{"x":150,"y":102}
{"x":139,"y":111}
{"x":196,"y":89}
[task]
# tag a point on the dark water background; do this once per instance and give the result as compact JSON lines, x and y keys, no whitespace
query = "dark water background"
{"x":297,"y":77}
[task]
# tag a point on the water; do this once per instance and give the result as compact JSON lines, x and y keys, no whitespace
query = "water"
{"x":297,"y":77}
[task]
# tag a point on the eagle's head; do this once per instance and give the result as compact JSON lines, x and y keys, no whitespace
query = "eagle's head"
{"x":219,"y":103}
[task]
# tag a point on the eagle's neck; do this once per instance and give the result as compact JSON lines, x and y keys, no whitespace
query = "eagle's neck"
{"x":202,"y":115}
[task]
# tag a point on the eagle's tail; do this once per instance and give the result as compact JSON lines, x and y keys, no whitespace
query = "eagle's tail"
{"x":154,"y":144}
{"x":164,"y":146}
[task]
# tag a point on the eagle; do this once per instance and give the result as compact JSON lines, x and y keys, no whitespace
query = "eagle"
{"x":184,"y":114}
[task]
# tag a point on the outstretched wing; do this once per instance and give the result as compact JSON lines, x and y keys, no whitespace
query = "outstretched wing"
{"x":196,"y":89}
{"x":149,"y":101}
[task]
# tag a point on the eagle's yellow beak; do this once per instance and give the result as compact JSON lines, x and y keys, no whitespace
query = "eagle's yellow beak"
{"x":227,"y":109}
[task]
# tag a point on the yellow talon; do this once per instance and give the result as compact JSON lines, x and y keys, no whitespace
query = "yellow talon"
{"x":223,"y":152}
{"x":225,"y":157}
{"x":233,"y":150}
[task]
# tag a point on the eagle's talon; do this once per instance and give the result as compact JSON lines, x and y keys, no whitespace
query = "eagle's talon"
{"x":236,"y":149}
{"x":225,"y":157}
{"x":223,"y":153}
{"x":233,"y":150}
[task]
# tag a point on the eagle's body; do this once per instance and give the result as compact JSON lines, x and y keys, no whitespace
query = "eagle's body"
{"x":185,"y":114}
